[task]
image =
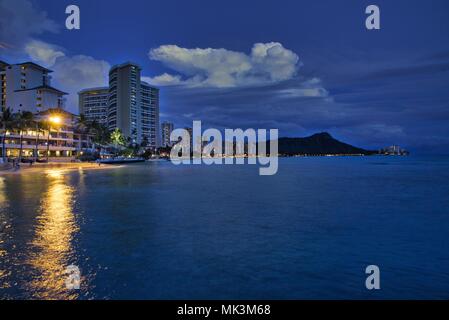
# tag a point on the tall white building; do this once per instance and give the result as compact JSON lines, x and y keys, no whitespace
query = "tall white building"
{"x":27,"y":87}
{"x":93,"y":104}
{"x":133,"y":105}
{"x":149,"y":99}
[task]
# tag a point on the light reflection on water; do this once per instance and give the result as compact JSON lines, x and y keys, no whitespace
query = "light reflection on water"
{"x":4,"y":226}
{"x":38,"y":267}
{"x":53,"y":240}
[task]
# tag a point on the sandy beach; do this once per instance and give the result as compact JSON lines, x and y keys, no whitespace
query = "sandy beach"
{"x":44,"y":167}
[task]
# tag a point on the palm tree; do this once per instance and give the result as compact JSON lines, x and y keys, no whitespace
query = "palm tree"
{"x":48,"y":127}
{"x":100,"y":133}
{"x":24,"y":121}
{"x":117,"y":138}
{"x":40,"y":126}
{"x":7,"y":122}
{"x":83,"y":125}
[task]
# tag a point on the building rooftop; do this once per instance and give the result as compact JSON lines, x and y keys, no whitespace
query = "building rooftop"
{"x":34,"y":65}
{"x":45,"y":88}
{"x":92,"y":90}
{"x":57,"y":111}
{"x":146,"y":84}
{"x":125,"y":64}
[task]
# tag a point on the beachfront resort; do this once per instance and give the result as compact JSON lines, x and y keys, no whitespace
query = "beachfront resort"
{"x":121,"y":118}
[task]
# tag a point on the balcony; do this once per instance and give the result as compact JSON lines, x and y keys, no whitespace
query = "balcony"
{"x":40,"y":147}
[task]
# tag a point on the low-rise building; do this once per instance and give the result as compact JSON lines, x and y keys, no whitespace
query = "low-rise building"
{"x":53,"y":136}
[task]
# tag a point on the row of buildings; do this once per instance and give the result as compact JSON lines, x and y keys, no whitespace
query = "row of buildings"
{"x":127,"y":103}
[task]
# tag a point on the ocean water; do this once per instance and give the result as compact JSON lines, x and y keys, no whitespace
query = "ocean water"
{"x":159,"y":231}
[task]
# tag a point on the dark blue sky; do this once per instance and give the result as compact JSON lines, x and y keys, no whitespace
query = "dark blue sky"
{"x":325,"y":73}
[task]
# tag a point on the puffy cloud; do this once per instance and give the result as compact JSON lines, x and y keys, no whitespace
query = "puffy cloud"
{"x":20,"y":20}
{"x":273,"y":61}
{"x":43,"y":53}
{"x":221,"y":68}
{"x":71,"y":73}
{"x":75,"y":73}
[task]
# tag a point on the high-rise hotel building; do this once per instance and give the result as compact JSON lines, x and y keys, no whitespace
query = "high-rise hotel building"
{"x":93,"y":104}
{"x":27,"y":87}
{"x":128,"y":104}
{"x":149,"y":98}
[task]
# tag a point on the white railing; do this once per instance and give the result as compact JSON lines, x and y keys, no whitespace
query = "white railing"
{"x":40,"y":147}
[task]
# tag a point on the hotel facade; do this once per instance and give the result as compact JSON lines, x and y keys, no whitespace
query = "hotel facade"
{"x":25,"y":87}
{"x":93,"y":104}
{"x":132,"y":105}
{"x":57,"y":141}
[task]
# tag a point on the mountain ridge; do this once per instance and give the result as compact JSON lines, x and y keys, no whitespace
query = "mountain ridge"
{"x":318,"y":144}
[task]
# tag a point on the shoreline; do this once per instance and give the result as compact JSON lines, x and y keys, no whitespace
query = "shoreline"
{"x":62,"y":166}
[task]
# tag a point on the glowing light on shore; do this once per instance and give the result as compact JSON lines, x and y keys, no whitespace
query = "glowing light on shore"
{"x":55,"y":119}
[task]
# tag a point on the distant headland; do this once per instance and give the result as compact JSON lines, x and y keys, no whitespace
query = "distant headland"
{"x":322,"y":144}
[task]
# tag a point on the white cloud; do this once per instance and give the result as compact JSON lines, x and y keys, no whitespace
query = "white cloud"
{"x":75,"y":73}
{"x":71,"y":73}
{"x":164,"y":79}
{"x":43,"y":53}
{"x":221,"y":68}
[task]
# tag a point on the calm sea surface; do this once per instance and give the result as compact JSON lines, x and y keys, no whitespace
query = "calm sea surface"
{"x":159,"y":231}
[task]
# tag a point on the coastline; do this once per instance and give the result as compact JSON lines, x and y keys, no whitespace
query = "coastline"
{"x":63,"y":166}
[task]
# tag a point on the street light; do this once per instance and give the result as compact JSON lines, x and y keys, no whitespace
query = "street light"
{"x":56,"y":120}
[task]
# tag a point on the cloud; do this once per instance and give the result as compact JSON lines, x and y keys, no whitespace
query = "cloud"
{"x":75,"y":73}
{"x":164,"y":79}
{"x":311,"y":88}
{"x":20,"y":20}
{"x":71,"y":73}
{"x":303,"y":92}
{"x":267,"y":63}
{"x":43,"y":53}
